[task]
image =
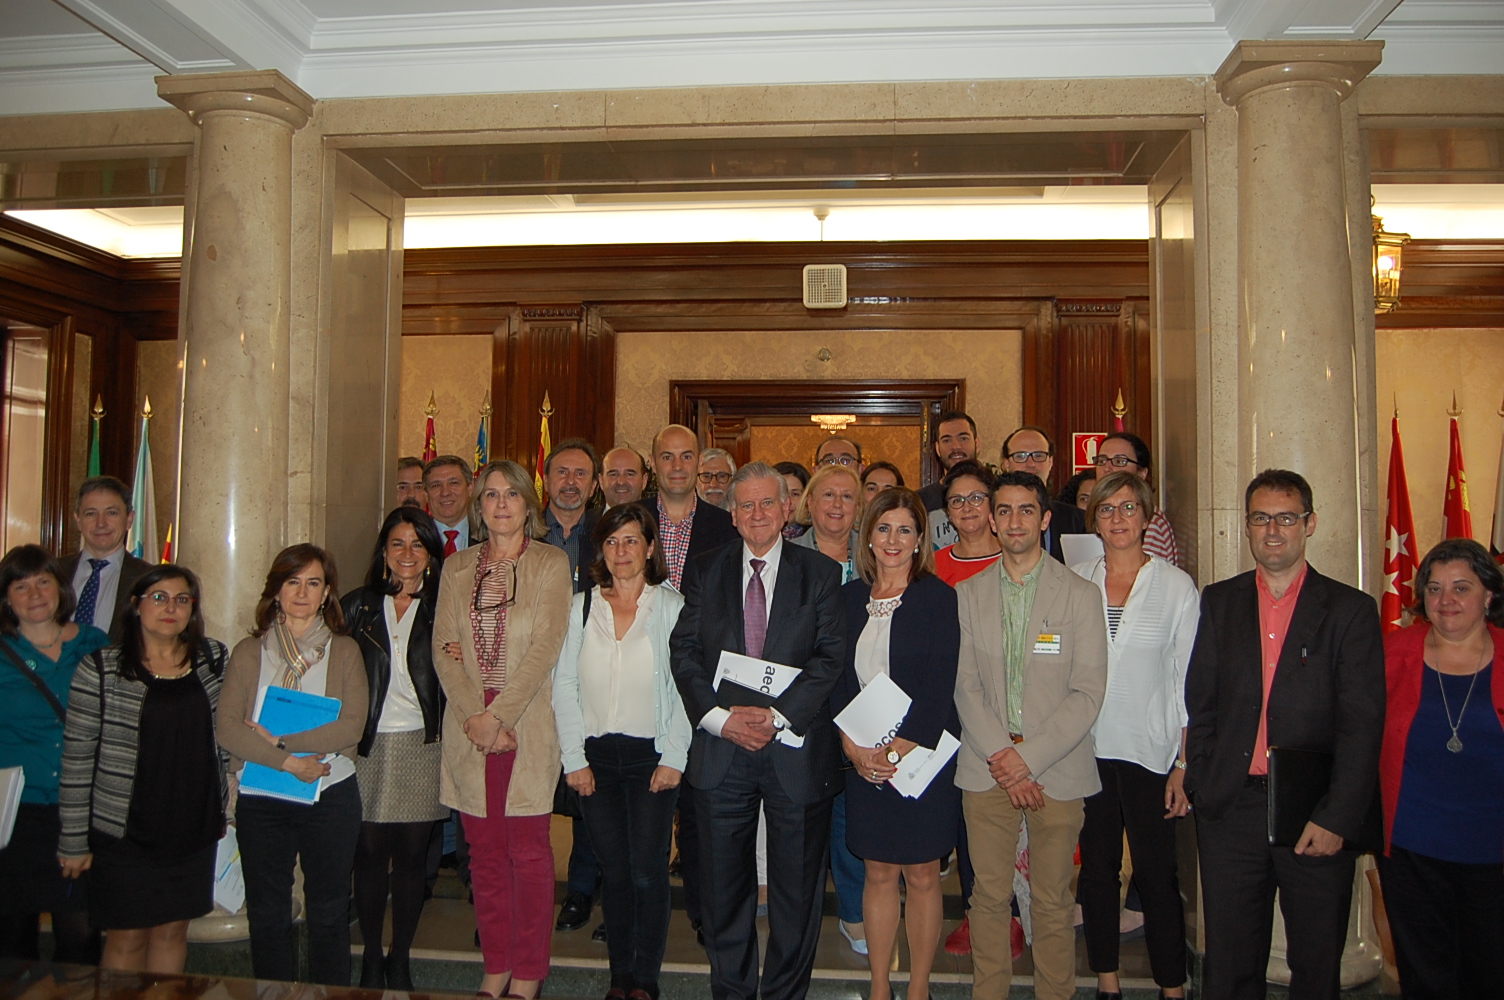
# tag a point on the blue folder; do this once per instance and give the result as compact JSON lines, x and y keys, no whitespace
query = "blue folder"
{"x":283,"y":712}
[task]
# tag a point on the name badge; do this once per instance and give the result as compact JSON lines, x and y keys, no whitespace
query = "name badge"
{"x":1048,"y":642}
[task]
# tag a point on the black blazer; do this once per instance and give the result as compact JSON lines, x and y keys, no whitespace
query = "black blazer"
{"x":365,"y":614}
{"x":131,"y":570}
{"x":710,"y":529}
{"x":1065,"y":519}
{"x":924,"y":646}
{"x":806,"y":629}
{"x":1328,"y":694}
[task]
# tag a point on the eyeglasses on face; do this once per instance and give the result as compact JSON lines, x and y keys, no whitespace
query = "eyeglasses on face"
{"x":511,"y":592}
{"x":1028,"y":456}
{"x":161,"y":598}
{"x":1285,"y":519}
{"x":956,"y":502}
{"x":1128,"y":508}
{"x":1116,"y":461}
{"x":847,"y":460}
{"x":715,"y":477}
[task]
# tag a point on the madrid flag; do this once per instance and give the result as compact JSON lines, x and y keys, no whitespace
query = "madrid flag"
{"x":1456,"y":515}
{"x":1399,"y":542}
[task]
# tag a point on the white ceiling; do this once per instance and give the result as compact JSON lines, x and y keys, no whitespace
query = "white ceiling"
{"x":60,"y":55}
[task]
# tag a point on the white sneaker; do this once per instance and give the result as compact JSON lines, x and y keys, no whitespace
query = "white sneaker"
{"x":858,"y":944}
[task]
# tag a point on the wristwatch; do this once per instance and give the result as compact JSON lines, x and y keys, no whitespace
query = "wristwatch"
{"x":281,"y":743}
{"x":894,"y":756}
{"x":1179,"y":763}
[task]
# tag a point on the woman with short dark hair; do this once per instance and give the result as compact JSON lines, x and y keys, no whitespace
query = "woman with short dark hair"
{"x":398,"y":760}
{"x":144,"y":786}
{"x":40,"y":649}
{"x":624,"y":738}
{"x":298,"y":642}
{"x":1442,"y":774}
{"x":880,"y":476}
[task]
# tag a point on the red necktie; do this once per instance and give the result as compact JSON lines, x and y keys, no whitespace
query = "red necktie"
{"x":755,"y":616}
{"x":449,"y":547}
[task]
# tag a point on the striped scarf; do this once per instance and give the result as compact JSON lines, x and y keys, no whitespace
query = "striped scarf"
{"x":297,"y":655}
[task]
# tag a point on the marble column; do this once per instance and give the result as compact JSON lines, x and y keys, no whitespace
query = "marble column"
{"x":1296,"y":389}
{"x":237,"y":284}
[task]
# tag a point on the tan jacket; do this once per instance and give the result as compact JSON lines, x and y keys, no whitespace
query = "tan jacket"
{"x":237,"y":702}
{"x":536,"y":626}
{"x":1062,"y":691}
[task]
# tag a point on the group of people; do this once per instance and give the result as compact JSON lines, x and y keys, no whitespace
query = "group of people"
{"x":506,"y":658}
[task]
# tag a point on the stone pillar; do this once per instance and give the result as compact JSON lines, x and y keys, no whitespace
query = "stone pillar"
{"x":237,"y":284}
{"x":1296,"y":391}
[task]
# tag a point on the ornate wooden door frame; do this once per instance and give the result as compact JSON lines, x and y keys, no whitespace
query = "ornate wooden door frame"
{"x":718,"y":411}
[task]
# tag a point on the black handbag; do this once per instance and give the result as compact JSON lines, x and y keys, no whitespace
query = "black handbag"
{"x":566,"y":799}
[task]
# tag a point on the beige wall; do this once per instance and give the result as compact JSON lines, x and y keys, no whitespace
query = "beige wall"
{"x":989,"y":361}
{"x":458,"y":371}
{"x":1418,"y":370}
{"x":160,"y":376}
{"x":896,"y":443}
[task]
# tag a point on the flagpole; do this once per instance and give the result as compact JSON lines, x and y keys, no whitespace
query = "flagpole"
{"x":98,"y":414}
{"x":1496,"y":536}
{"x":1119,"y":411}
{"x":1456,"y":511}
{"x":545,"y":444}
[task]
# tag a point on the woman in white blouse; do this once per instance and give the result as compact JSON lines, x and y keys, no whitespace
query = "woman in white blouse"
{"x":1151,"y":609}
{"x":624,"y":738}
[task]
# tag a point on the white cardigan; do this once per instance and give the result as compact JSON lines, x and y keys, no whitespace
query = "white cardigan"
{"x":674,"y":730}
{"x":1144,"y":711}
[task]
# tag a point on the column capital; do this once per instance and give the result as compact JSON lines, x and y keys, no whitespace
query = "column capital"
{"x":263,"y":92}
{"x":1253,"y":66}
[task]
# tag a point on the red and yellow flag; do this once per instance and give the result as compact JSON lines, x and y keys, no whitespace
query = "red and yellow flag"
{"x":1399,"y":542}
{"x":430,"y":440}
{"x":1456,"y":514}
{"x":545,"y":445}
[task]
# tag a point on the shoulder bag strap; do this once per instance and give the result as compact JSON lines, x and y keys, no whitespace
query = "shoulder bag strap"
{"x":36,"y":682}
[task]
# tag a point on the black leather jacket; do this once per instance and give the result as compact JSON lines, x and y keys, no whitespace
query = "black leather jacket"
{"x":365,"y":613}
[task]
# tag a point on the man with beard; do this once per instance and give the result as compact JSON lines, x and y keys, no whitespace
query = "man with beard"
{"x":624,"y":477}
{"x":716,"y":469}
{"x":410,"y":492}
{"x":955,"y":441}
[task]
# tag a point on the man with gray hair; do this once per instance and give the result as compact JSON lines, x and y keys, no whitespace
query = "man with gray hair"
{"x":778,"y":603}
{"x":716,"y":469}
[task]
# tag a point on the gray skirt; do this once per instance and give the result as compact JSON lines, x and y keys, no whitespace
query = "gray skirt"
{"x":399,"y":781}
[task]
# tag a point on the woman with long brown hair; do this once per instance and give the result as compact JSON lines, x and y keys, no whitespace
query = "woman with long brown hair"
{"x":298,"y":642}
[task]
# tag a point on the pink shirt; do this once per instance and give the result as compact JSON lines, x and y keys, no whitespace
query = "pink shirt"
{"x":1274,"y":622}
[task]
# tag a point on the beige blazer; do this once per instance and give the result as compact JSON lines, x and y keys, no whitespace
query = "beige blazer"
{"x":536,"y":626}
{"x":1062,"y":691}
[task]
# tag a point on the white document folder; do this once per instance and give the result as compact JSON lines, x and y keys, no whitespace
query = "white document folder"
{"x":872,"y":719}
{"x":12,"y":783}
{"x":772,"y":679}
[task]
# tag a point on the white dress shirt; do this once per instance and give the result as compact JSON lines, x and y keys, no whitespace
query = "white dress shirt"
{"x":716,"y":717}
{"x":400,"y":711}
{"x":109,"y":585}
{"x":618,"y":693}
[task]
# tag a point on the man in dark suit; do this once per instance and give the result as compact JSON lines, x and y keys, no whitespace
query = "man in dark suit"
{"x":103,"y":573}
{"x":1284,"y":657}
{"x":780,"y":603}
{"x":1030,"y":449}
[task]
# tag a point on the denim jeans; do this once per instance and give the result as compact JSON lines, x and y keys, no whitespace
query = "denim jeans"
{"x":630,"y":828}
{"x":274,"y":835}
{"x":846,"y":869}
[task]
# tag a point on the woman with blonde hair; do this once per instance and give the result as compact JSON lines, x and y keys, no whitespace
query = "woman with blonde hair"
{"x":832,"y":507}
{"x":499,"y":626}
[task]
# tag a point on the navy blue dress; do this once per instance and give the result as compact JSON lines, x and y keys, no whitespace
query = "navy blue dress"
{"x":924,"y":646}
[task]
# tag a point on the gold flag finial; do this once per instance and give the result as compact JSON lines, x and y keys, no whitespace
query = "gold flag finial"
{"x":1501,"y":411}
{"x":1455,"y":411}
{"x":485,"y":405}
{"x":432,"y":409}
{"x":1396,"y":406}
{"x":146,"y":407}
{"x":1118,"y":409}
{"x":98,"y":410}
{"x":547,"y":408}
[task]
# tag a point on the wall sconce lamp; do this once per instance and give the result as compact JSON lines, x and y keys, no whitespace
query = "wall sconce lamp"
{"x":1387,"y":248}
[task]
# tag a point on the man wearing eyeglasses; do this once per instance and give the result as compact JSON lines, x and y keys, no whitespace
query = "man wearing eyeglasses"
{"x":837,"y":450}
{"x":1284,"y":657}
{"x":772,"y":601}
{"x":1029,"y":449}
{"x":1124,"y":452}
{"x":716,"y":469}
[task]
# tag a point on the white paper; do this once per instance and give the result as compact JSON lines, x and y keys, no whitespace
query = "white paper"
{"x":229,"y":880}
{"x":1079,"y":549}
{"x":872,"y":718}
{"x":770,"y":678}
{"x":920,"y":766}
{"x":12,"y":783}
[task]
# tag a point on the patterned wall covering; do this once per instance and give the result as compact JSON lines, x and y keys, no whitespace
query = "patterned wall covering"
{"x":458,"y":370}
{"x":898,"y":444}
{"x":990,"y":361}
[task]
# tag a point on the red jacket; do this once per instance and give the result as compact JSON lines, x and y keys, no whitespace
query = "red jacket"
{"x":1404,"y":663}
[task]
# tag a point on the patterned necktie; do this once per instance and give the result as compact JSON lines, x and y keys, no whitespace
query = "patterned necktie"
{"x":449,"y":547}
{"x":755,"y":612}
{"x":89,"y":596}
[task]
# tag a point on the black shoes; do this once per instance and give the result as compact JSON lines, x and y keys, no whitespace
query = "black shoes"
{"x":575,"y":913}
{"x":399,"y":975}
{"x":1103,"y":995}
{"x":599,"y":934}
{"x":372,"y":972}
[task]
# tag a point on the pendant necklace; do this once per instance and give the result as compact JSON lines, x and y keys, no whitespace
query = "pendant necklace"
{"x":1454,"y":744}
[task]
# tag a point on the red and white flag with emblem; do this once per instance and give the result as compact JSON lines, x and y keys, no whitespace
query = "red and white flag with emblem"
{"x":1399,"y":542}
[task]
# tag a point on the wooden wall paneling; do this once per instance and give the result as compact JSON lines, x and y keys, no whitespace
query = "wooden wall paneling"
{"x":58,"y":430}
{"x":733,"y":433}
{"x":113,"y":380}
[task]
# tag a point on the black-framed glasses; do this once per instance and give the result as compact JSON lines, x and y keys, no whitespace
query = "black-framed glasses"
{"x":1116,"y":461}
{"x":977,"y":499}
{"x":161,"y":598}
{"x":1128,"y":508}
{"x":847,"y":460}
{"x":1028,"y":456}
{"x":1285,"y":519}
{"x":715,"y":477}
{"x":480,"y":587}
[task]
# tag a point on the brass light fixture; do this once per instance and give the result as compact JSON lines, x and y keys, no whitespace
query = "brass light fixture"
{"x":833,"y":423}
{"x":1387,"y":250}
